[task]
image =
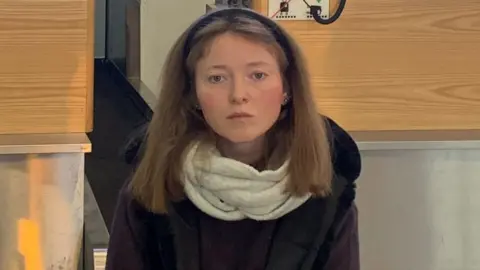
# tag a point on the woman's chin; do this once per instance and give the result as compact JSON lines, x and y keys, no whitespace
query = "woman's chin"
{"x":242,"y":137}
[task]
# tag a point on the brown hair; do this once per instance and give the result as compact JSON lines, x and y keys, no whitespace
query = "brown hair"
{"x":300,"y":132}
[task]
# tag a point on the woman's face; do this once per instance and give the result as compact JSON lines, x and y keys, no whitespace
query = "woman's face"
{"x":239,"y":88}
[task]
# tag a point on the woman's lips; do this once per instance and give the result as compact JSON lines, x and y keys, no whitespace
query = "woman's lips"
{"x":239,"y":115}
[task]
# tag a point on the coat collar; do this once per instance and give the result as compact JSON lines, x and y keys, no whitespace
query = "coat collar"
{"x":301,"y":233}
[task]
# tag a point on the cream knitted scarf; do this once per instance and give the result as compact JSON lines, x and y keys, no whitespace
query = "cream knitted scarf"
{"x":231,"y":190}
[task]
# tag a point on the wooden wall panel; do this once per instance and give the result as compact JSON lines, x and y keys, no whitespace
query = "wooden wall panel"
{"x":396,"y":64}
{"x":46,"y":71}
{"x":90,"y":56}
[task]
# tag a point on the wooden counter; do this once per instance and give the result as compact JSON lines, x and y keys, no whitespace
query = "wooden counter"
{"x":44,"y":144}
{"x":396,"y":64}
{"x":46,"y":107}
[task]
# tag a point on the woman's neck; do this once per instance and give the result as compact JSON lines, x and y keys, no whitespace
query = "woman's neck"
{"x":246,"y":152}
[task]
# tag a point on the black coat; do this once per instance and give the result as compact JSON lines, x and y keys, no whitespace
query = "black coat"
{"x":321,"y":234}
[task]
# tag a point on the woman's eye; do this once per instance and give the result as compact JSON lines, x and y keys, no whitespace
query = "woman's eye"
{"x":259,"y":75}
{"x":215,"y":79}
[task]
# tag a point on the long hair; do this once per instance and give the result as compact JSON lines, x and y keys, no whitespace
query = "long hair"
{"x":300,"y":132}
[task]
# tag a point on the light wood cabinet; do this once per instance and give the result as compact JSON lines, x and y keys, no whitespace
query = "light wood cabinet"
{"x":396,"y":64}
{"x":46,"y":70}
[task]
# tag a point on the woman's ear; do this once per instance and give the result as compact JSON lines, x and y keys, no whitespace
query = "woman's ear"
{"x":286,"y":92}
{"x":193,"y":102}
{"x":286,"y":98}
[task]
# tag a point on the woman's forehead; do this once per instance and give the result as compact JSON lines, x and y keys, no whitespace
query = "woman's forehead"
{"x":228,"y":47}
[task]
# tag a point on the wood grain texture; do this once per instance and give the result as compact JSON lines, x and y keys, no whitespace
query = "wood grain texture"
{"x":90,"y":65}
{"x":46,"y":71}
{"x":396,"y":64}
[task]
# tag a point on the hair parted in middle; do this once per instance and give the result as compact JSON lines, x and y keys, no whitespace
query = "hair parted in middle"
{"x":300,"y":133}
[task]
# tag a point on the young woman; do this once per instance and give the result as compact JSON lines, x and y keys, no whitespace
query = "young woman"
{"x":238,"y":170}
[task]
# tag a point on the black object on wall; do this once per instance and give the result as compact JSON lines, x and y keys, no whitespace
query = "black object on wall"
{"x":100,"y":20}
{"x":123,"y":36}
{"x":115,"y":33}
{"x":234,"y":3}
{"x":118,"y":112}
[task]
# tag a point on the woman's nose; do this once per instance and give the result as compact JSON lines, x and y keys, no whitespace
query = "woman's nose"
{"x":239,"y":92}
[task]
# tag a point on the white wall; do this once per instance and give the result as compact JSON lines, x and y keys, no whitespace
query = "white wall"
{"x":162,"y":22}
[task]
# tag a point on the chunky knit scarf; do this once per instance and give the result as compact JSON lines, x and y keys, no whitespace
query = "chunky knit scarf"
{"x":231,"y":190}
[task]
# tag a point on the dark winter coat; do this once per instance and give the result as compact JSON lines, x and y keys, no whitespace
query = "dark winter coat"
{"x":322,"y":234}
